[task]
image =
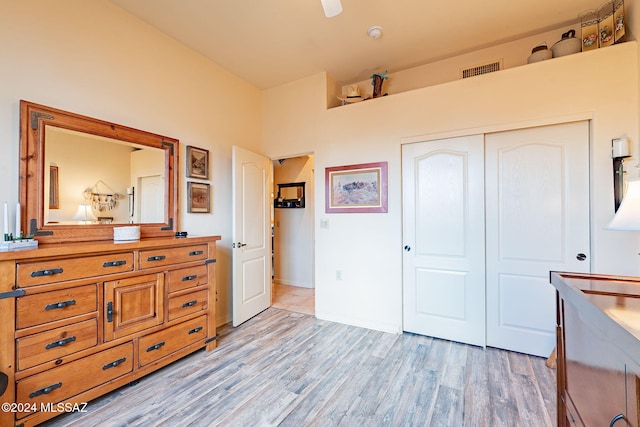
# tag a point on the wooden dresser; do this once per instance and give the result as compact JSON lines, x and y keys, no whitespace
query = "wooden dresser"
{"x":598,"y":348}
{"x":80,"y":319}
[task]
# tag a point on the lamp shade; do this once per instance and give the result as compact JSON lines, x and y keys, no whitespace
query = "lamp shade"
{"x":627,"y":218}
{"x":84,"y":213}
{"x":331,"y":7}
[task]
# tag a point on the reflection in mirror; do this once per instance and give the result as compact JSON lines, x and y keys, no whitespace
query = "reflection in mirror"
{"x":122,"y":182}
{"x":108,"y":174}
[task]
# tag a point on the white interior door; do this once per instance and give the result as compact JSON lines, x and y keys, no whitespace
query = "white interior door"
{"x":537,"y":209}
{"x":252,"y":184}
{"x":443,"y":234}
{"x":151,"y":199}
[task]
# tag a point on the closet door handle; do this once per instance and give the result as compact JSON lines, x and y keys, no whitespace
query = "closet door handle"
{"x":581,"y":257}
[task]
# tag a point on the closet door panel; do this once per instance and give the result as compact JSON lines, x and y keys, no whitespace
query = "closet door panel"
{"x":443,"y":263}
{"x":537,"y":220}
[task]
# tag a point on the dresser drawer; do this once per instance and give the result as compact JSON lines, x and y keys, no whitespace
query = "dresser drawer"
{"x":42,"y":272}
{"x":47,"y":307}
{"x":185,"y":278}
{"x":187,"y":303}
{"x":160,"y":257}
{"x":60,"y":383}
{"x":45,"y":346}
{"x":160,"y":344}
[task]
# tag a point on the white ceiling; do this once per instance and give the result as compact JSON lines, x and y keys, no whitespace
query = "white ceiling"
{"x":272,"y":42}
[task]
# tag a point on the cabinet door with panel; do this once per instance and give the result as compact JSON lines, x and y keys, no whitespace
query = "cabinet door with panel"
{"x":133,"y":304}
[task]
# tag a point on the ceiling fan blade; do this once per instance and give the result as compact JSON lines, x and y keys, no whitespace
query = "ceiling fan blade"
{"x":331,"y":7}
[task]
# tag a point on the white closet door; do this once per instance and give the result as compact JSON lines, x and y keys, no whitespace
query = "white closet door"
{"x":537,"y":219}
{"x":443,"y":232}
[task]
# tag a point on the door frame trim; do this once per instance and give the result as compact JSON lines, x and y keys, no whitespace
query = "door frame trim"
{"x":502,"y":127}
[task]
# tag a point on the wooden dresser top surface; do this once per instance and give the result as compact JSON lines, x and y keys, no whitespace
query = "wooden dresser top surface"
{"x":610,"y":304}
{"x":84,"y":248}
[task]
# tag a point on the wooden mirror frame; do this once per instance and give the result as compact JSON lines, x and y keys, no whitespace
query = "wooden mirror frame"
{"x":33,"y":121}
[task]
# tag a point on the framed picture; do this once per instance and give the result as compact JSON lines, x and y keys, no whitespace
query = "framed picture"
{"x":199,"y":197}
{"x":197,"y":163}
{"x":356,"y":188}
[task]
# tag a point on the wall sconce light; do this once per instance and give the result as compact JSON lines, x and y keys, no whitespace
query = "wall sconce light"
{"x":619,"y":151}
{"x":627,"y":218}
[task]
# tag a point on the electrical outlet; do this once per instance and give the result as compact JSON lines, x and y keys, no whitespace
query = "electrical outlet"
{"x":338,"y":274}
{"x":324,"y":223}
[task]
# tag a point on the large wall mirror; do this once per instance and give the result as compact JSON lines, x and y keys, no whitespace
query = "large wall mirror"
{"x":80,"y":177}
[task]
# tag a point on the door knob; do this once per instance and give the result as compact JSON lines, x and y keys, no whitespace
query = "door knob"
{"x":581,"y":257}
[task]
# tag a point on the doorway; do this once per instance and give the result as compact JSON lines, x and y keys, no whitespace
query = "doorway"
{"x":293,"y":285}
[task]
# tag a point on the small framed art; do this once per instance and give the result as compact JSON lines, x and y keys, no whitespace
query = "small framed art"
{"x":197,"y":163}
{"x":199,"y":197}
{"x":356,"y":188}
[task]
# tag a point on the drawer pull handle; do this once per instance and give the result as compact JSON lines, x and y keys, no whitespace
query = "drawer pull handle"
{"x":114,"y":263}
{"x":616,"y":419}
{"x":50,"y":272}
{"x":190,"y":303}
{"x":45,"y":390}
{"x":194,"y":253}
{"x":60,"y":343}
{"x":156,"y":258}
{"x":155,"y":347}
{"x":113,"y":364}
{"x":195,"y":330}
{"x":61,"y":304}
{"x":110,"y":311}
{"x":187,"y":278}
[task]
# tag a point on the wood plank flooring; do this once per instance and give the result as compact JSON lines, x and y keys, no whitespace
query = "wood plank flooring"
{"x":282,"y":368}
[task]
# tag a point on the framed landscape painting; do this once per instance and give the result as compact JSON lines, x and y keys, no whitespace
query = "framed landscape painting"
{"x":199,"y":197}
{"x":197,"y":163}
{"x":356,"y":188}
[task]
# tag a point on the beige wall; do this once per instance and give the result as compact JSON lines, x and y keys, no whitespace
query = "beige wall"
{"x":600,"y":86}
{"x":92,"y":58}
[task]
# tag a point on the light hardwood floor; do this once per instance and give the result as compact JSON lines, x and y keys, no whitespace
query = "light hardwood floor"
{"x":293,"y":298}
{"x":282,"y":368}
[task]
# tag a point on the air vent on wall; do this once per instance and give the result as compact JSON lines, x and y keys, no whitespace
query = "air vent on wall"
{"x":481,"y":69}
